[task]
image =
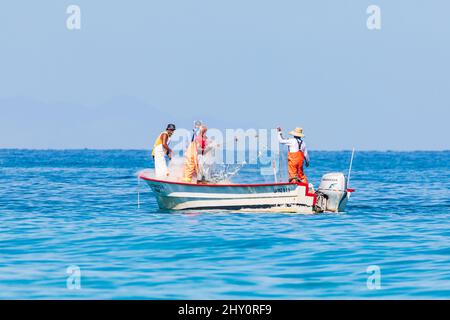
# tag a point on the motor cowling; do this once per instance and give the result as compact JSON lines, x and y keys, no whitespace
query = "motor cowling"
{"x":332,"y":192}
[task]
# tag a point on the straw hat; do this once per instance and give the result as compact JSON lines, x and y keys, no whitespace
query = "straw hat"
{"x":298,"y":132}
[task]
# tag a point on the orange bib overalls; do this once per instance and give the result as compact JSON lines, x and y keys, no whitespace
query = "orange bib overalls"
{"x":295,"y":166}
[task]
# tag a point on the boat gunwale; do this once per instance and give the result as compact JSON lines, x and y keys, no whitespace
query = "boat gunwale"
{"x":225,"y":185}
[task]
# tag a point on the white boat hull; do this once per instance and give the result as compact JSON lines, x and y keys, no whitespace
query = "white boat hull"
{"x":183,"y":196}
{"x":284,"y":197}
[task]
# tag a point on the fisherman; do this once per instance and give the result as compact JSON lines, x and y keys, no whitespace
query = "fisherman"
{"x":195,"y":155}
{"x":297,"y":154}
{"x":202,"y":148}
{"x":191,"y":160}
{"x":161,"y":150}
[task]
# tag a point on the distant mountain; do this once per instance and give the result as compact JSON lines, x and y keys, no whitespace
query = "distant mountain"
{"x":122,"y":122}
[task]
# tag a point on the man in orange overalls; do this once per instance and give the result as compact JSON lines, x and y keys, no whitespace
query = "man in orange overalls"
{"x":297,"y":155}
{"x":197,"y":145}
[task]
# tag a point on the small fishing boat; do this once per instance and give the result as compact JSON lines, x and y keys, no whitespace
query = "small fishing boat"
{"x":332,"y":195}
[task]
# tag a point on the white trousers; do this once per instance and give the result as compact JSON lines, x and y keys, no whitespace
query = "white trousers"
{"x":203,"y":168}
{"x":161,"y":170}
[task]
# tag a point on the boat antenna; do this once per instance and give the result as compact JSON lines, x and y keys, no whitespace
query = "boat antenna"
{"x":350,"y":168}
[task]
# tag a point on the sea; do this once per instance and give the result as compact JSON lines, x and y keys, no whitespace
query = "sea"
{"x":78,"y":224}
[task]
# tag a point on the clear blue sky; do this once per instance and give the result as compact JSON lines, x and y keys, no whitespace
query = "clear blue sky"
{"x":136,"y":65}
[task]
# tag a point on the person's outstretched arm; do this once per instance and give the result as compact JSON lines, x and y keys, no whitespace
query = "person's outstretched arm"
{"x":280,"y":137}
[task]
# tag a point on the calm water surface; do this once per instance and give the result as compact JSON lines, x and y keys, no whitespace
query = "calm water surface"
{"x":63,"y":208}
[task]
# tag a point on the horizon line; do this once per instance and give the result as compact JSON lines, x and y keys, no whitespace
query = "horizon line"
{"x":138,"y":149}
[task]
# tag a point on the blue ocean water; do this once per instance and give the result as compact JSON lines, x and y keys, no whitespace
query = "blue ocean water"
{"x":79,"y":208}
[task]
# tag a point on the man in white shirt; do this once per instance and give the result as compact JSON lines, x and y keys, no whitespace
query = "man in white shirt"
{"x":161,"y":150}
{"x":297,"y":155}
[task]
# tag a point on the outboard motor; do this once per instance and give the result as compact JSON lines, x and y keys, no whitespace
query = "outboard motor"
{"x":332,"y":193}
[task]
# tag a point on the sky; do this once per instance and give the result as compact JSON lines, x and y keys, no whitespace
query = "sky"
{"x":135,"y":66}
